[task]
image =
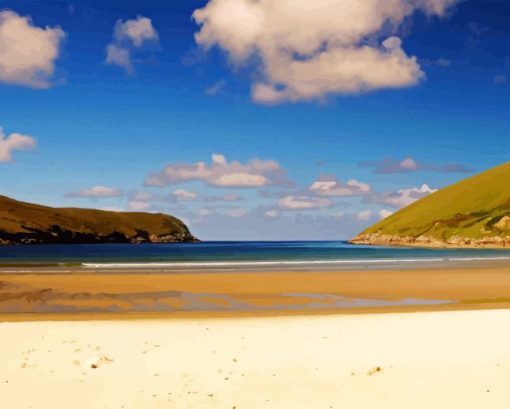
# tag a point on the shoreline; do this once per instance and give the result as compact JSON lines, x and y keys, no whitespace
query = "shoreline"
{"x":140,"y":295}
{"x":427,"y":242}
{"x":257,"y":267}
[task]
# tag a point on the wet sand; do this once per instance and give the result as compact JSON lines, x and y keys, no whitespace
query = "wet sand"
{"x":110,"y":295}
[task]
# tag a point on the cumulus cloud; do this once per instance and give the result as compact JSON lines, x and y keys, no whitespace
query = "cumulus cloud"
{"x":97,"y":192}
{"x":185,"y":195}
{"x":402,"y":197}
{"x":113,"y":209}
{"x":27,"y":52}
{"x":120,"y":56}
{"x":179,"y":200}
{"x":384,"y":213}
{"x":221,"y":173}
{"x":136,"y":31}
{"x":306,"y":49}
{"x":327,"y":185}
{"x":139,"y":206}
{"x":129,"y":36}
{"x":271,"y":214}
{"x":408,"y":165}
{"x":203,"y":212}
{"x":292,"y":202}
{"x":14,"y":142}
{"x":140,"y":201}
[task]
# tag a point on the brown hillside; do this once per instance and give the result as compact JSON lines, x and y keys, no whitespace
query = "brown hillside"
{"x":26,"y":223}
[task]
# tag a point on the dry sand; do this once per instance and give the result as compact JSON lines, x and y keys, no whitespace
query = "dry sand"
{"x":427,"y":360}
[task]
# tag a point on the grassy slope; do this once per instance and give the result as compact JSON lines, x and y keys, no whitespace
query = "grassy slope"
{"x":469,"y":208}
{"x":21,"y":217}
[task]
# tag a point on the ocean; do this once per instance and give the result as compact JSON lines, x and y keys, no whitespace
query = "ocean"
{"x":246,"y":255}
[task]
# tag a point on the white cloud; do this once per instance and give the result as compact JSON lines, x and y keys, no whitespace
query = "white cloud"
{"x":218,"y":159}
{"x":271,"y":214}
{"x":404,"y":197}
{"x":409,"y":163}
{"x":327,"y":185}
{"x":27,"y":53}
{"x":97,"y":192}
{"x":309,"y":49}
{"x":365,"y":215}
{"x":139,"y":206}
{"x":129,"y":36}
{"x":384,"y":213}
{"x":137,"y":31}
{"x":14,"y":142}
{"x":222,"y":173}
{"x":182,"y":194}
{"x":292,"y":202}
{"x":120,"y":56}
{"x":203,"y":212}
{"x":241,"y":179}
{"x":113,"y":209}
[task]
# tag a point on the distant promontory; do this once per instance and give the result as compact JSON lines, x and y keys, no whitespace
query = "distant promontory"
{"x":26,"y":223}
{"x":474,"y":213}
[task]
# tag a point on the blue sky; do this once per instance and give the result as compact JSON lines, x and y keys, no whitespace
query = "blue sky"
{"x":329,"y":162}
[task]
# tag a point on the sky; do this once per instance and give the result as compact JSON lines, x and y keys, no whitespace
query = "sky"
{"x":251,"y":120}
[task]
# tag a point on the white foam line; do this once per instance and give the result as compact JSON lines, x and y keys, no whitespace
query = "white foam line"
{"x":478,"y":258}
{"x":282,"y":263}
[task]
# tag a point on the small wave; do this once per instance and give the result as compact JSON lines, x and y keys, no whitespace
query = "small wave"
{"x":277,"y":263}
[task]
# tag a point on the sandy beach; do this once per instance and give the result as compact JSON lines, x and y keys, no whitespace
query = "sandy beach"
{"x":143,"y":294}
{"x":385,"y":339}
{"x":420,"y":360}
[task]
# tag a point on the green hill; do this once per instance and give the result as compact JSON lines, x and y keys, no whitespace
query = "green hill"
{"x":472,"y":213}
{"x":26,"y":223}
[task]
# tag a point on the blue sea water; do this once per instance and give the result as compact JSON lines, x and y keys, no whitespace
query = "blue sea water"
{"x":248,"y":254}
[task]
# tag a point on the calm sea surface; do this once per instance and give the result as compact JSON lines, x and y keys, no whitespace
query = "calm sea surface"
{"x":245,"y":255}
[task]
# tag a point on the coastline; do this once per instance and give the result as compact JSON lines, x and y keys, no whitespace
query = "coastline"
{"x":423,"y":241}
{"x":139,"y":294}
